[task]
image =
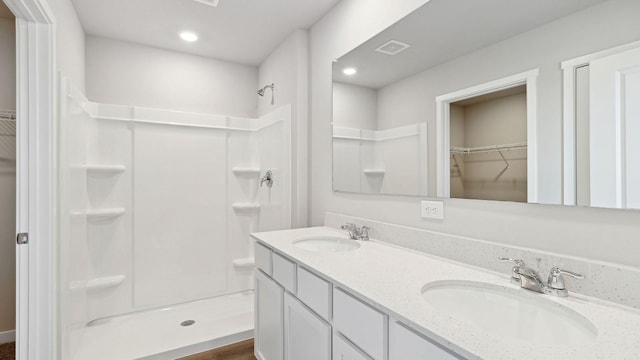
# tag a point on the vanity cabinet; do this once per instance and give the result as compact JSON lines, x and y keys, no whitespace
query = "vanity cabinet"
{"x":269,"y":318}
{"x":406,"y":344}
{"x":306,"y":335}
{"x":300,"y":315}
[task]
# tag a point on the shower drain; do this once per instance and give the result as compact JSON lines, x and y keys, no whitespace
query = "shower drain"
{"x":187,"y":323}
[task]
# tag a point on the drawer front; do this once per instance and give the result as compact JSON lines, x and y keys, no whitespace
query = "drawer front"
{"x":263,"y":258}
{"x":360,"y":323}
{"x":342,"y":350}
{"x":405,"y":344}
{"x":314,"y":292}
{"x":284,"y":272}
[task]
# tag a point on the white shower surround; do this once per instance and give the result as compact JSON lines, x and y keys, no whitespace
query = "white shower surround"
{"x":148,"y":225}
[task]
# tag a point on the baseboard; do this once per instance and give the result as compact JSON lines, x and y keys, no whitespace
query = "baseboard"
{"x":7,"y":336}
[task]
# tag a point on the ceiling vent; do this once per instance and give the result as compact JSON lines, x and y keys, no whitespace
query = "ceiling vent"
{"x":213,"y":3}
{"x":392,"y":47}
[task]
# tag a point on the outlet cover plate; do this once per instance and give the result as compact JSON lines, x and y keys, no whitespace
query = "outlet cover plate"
{"x":432,"y":210}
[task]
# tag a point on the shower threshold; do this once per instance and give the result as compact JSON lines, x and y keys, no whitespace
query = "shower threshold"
{"x":170,"y":333}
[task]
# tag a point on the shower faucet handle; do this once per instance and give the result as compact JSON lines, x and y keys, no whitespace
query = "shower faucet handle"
{"x":268,"y":178}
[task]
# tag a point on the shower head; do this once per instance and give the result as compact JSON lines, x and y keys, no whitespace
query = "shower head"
{"x":261,"y":91}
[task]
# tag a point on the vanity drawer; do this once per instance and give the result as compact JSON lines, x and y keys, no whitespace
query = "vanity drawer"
{"x":405,"y":344}
{"x":360,"y":323}
{"x":342,"y":350}
{"x":284,"y":272}
{"x":263,"y":258}
{"x":314,"y":292}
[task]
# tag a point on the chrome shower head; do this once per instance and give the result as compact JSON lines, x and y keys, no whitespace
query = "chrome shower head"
{"x":261,"y":91}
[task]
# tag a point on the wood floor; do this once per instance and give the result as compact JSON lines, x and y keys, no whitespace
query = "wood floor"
{"x":8,"y":351}
{"x":238,"y":351}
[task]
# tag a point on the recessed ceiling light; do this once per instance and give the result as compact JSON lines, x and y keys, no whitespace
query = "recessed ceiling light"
{"x":349,"y":71}
{"x":188,"y":36}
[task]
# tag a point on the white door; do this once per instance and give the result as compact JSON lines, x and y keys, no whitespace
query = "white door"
{"x":306,"y":335}
{"x":269,"y":318}
{"x":615,"y":130}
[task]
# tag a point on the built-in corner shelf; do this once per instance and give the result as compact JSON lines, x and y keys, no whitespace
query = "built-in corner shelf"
{"x":246,"y":208}
{"x":103,"y":283}
{"x":246,"y":263}
{"x":105,"y":170}
{"x":374,"y":172}
{"x":105,"y":214}
{"x":246,"y":171}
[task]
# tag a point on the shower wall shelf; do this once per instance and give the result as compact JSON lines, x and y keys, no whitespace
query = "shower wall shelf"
{"x":105,"y":170}
{"x":244,"y":262}
{"x":246,"y":171}
{"x":374,"y":172}
{"x":103,"y":283}
{"x":246,"y":208}
{"x":105,"y":214}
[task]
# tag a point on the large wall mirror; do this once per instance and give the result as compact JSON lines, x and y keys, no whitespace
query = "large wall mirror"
{"x":527,"y":101}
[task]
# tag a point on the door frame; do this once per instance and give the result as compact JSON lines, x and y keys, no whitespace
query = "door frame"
{"x":443,"y":102}
{"x":569,"y":68}
{"x":35,"y":179}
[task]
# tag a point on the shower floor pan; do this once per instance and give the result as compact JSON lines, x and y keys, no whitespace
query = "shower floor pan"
{"x":168,"y":333}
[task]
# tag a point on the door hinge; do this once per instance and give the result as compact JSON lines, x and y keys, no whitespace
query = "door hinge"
{"x":22,"y":238}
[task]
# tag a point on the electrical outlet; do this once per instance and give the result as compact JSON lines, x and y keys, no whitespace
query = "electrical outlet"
{"x":432,"y":209}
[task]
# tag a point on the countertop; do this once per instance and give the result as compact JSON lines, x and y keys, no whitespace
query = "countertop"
{"x":391,"y":278}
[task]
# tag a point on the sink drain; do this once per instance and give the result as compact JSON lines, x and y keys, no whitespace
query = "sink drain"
{"x":187,"y":323}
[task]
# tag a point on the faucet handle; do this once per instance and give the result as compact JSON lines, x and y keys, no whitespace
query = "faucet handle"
{"x":518,"y":262}
{"x":349,"y":226}
{"x":364,"y":232}
{"x":556,"y":280}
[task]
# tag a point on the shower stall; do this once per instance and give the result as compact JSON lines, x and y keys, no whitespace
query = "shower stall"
{"x":156,"y":208}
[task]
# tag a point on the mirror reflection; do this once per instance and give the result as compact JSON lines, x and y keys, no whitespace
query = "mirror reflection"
{"x":495,"y":100}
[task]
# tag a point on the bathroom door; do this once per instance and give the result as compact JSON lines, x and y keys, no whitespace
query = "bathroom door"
{"x":615,"y":129}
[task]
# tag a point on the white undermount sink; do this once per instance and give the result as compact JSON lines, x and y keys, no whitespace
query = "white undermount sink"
{"x":510,"y":313}
{"x":326,"y":244}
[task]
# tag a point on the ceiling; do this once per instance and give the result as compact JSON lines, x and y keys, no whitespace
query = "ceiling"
{"x":5,"y":13}
{"x":442,"y":30}
{"x":242,"y":31}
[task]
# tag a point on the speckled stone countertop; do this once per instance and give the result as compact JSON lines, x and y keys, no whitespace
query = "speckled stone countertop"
{"x":391,"y":279}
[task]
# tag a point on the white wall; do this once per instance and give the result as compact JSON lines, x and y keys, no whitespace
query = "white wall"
{"x":7,"y":64}
{"x":608,"y":235}
{"x":70,"y":42}
{"x":288,"y":68}
{"x":125,"y":73}
{"x":7,"y":178}
{"x":355,"y":106}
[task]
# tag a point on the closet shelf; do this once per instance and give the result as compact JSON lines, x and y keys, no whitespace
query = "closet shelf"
{"x":246,"y":208}
{"x":246,"y":171}
{"x":244,"y":262}
{"x":105,"y":170}
{"x":490,"y":148}
{"x":105,"y":214}
{"x":103,"y":283}
{"x":374,"y":172}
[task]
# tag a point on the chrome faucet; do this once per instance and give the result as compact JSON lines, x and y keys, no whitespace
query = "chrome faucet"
{"x":530,"y":279}
{"x":356,"y":232}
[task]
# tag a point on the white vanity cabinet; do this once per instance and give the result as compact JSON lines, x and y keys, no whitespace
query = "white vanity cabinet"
{"x":302,"y":316}
{"x":306,"y":335}
{"x":406,"y":344}
{"x":269,"y":318}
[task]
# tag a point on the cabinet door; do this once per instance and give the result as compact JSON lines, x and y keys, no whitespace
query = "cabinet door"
{"x":269,"y":335}
{"x":343,"y":350}
{"x":306,"y":335}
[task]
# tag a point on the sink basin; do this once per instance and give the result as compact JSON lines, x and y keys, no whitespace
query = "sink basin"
{"x":326,"y":244}
{"x":510,"y":313}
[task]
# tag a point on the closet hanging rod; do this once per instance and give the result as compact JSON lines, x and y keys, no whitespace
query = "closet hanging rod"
{"x":490,"y":148}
